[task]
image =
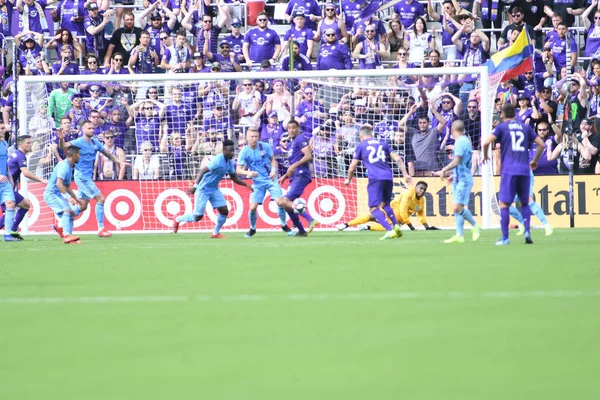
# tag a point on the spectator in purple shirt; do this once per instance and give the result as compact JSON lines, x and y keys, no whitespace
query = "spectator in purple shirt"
{"x":177,"y":58}
{"x":29,"y":47}
{"x":547,"y":165}
{"x":33,"y":16}
{"x":65,"y":38}
{"x":64,"y":66}
{"x":236,"y":39}
{"x":592,"y":43}
{"x":272,"y":131}
{"x":95,"y":29}
{"x":261,"y":43}
{"x":558,"y":45}
{"x":332,"y":54}
{"x":156,"y":27}
{"x":309,"y":8}
{"x":6,"y":15}
{"x":300,"y":34}
{"x":70,"y":15}
{"x":207,"y":26}
{"x":407,"y":11}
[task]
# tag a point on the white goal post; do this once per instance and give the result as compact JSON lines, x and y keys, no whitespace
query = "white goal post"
{"x":28,"y":100}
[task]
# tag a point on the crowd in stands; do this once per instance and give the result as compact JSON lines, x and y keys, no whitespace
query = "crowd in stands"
{"x":166,"y":129}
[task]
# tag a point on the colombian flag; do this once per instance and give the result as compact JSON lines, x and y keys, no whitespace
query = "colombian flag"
{"x":514,"y":60}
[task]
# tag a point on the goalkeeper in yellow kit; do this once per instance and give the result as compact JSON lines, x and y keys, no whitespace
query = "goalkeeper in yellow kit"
{"x":404,"y":205}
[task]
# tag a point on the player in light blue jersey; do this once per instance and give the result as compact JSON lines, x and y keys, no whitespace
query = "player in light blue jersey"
{"x":84,"y":171}
{"x":59,"y":184}
{"x":7,"y":195}
{"x":257,"y":162}
{"x":462,"y":182}
{"x":207,"y":189}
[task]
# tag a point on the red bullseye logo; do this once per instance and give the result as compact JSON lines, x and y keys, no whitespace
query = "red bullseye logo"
{"x":170,"y":203}
{"x":268,"y":210}
{"x":327,"y":204}
{"x":122,"y":208}
{"x":235,"y":204}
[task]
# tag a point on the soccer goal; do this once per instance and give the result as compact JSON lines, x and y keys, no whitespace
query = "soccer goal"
{"x":168,"y":125}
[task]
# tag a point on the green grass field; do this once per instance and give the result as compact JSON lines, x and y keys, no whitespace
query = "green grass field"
{"x":331,"y":316}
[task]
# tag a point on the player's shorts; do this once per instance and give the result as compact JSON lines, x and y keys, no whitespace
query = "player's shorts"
{"x":216,"y":199}
{"x":57,"y":203}
{"x":511,"y":185}
{"x":530,"y":189}
{"x":260,"y":191}
{"x":7,"y":192}
{"x":86,"y":189}
{"x":379,"y":191}
{"x":299,"y":183}
{"x":461,"y":192}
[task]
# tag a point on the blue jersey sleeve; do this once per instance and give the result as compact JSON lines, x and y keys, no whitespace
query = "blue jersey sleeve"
{"x":98,"y":144}
{"x":216,"y":162}
{"x":242,"y":158}
{"x":231,"y":167}
{"x":63,"y":171}
{"x":460,"y":148}
{"x":268,"y":150}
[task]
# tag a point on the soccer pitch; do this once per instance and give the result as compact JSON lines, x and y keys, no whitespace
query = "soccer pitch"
{"x":331,"y":316}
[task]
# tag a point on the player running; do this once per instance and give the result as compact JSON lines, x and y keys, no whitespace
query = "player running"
{"x":374,"y":155}
{"x":84,"y":172}
{"x":257,"y":162}
{"x":515,"y":139}
{"x":404,"y":205}
{"x":7,"y":195}
{"x":58,"y":186}
{"x":462,"y":182}
{"x":207,"y":189}
{"x":298,"y":174}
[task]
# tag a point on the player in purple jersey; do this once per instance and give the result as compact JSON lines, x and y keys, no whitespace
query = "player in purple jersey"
{"x":375,"y":155}
{"x":298,"y":172}
{"x":515,"y":139}
{"x":17,"y":165}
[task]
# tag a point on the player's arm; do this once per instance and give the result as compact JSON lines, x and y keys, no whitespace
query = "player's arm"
{"x":400,"y":161}
{"x":236,"y":179}
{"x":31,"y":176}
{"x":66,"y":189}
{"x":453,"y":164}
{"x":538,"y":152}
{"x":489,"y":139}
{"x":351,"y":170}
{"x":201,"y":173}
{"x":274,"y":167}
{"x":307,"y":157}
{"x":404,"y":214}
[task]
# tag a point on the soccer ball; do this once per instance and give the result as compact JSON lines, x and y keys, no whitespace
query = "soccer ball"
{"x":299,"y":206}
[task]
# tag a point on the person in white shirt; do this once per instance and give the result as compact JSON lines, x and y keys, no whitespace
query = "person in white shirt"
{"x":147,"y":165}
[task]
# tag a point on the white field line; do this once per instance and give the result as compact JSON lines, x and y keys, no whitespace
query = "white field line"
{"x":307,"y":297}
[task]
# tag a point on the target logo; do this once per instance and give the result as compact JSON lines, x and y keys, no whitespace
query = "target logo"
{"x":82,"y":218}
{"x":235,"y":204}
{"x":268,"y":210}
{"x":34,"y":211}
{"x":122,"y":208}
{"x":327,"y":204}
{"x":175,"y":202}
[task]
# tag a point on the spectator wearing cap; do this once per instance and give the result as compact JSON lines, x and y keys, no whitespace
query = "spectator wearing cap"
{"x":271,"y":131}
{"x":190,"y":21}
{"x":227,"y":59}
{"x":300,"y":34}
{"x":558,"y":46}
{"x":523,"y":110}
{"x":301,"y":62}
{"x":116,"y":124}
{"x":261,"y":43}
{"x":219,"y":121}
{"x":247,"y":102}
{"x":78,"y":113}
{"x":156,"y":27}
{"x":407,"y":11}
{"x":143,"y":58}
{"x":123,"y":39}
{"x":236,"y":39}
{"x":332,"y":54}
{"x":176,"y":59}
{"x":104,"y":168}
{"x":310,"y":112}
{"x":59,"y":101}
{"x":29,"y":47}
{"x":198,"y":65}
{"x":331,"y":20}
{"x":450,"y":107}
{"x":94,"y":25}
{"x":370,"y":52}
{"x":309,"y":8}
{"x":547,"y":105}
{"x":547,"y":165}
{"x":148,"y":125}
{"x":32,"y":15}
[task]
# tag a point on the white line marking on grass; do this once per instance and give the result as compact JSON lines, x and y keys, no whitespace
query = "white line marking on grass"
{"x":303,"y":297}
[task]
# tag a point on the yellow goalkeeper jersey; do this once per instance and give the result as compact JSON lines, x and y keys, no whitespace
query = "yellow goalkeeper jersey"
{"x":406,"y":204}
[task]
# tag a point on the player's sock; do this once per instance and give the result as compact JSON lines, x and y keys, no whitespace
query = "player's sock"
{"x":306,"y":216}
{"x":100,"y":215}
{"x":538,"y":212}
{"x":189,"y":217}
{"x":381,"y":218}
{"x":220,"y":221}
{"x":390,"y":214}
{"x":252,"y":217}
{"x":21,"y":213}
{"x":526,"y":211}
{"x":363,"y":219}
{"x":9,"y":218}
{"x":282,"y":215}
{"x":67,"y":224}
{"x":76,"y":209}
{"x":2,"y":220}
{"x":296,"y":221}
{"x":466,"y":213}
{"x":514,"y":212}
{"x":504,"y":220}
{"x":460,"y":222}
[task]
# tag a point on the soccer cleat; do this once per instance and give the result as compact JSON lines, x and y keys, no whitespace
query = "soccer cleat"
{"x":104,"y":233}
{"x":503,"y":242}
{"x":476,"y":231}
{"x":10,"y":238}
{"x":250,"y":233}
{"x":17,"y":236}
{"x":528,"y":240}
{"x":455,"y":239}
{"x":70,"y":239}
{"x":549,"y":229}
{"x":301,"y":234}
{"x":287,"y":230}
{"x":398,"y":230}
{"x":58,"y":230}
{"x":521,"y":230}
{"x":389,"y":235}
{"x":175,"y":226}
{"x":341,"y":227}
{"x":312,"y":225}
{"x":217,"y":236}
{"x":363,"y":227}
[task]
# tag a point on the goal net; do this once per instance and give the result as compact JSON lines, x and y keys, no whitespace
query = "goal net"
{"x":167,"y":126}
